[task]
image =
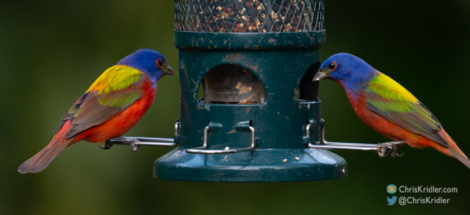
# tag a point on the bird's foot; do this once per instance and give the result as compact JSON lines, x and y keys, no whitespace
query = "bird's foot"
{"x":382,"y":150}
{"x":392,"y":147}
{"x":134,"y":146}
{"x":107,"y":145}
{"x":394,"y":153}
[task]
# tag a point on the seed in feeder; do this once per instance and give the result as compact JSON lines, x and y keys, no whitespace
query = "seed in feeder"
{"x":227,"y":148}
{"x":277,"y":27}
{"x":214,"y":14}
{"x":285,"y":160}
{"x":249,"y":4}
{"x":296,"y":158}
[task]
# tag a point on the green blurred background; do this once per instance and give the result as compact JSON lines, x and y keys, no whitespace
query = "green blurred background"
{"x":51,"y":51}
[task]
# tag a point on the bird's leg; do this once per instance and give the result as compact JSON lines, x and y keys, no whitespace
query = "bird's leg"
{"x":395,"y":149}
{"x":393,"y":146}
{"x":107,"y":145}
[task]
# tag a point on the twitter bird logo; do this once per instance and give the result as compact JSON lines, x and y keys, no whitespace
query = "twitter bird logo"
{"x":392,"y":201}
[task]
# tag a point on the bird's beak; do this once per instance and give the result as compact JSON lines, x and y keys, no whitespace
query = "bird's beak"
{"x":319,"y":75}
{"x":167,"y":70}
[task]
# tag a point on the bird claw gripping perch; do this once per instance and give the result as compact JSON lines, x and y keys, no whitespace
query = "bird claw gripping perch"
{"x":132,"y":141}
{"x":107,"y":145}
{"x":383,"y":149}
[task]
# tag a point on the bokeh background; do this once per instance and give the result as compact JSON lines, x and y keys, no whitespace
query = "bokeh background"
{"x":51,"y":51}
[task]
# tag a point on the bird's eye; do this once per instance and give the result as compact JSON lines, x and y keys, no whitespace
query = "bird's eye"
{"x":159,"y":63}
{"x":332,"y":66}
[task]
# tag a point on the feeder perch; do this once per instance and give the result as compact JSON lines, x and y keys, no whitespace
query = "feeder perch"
{"x":259,"y":117}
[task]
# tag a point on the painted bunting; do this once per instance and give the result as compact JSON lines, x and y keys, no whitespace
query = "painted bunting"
{"x":109,"y":108}
{"x":387,"y":107}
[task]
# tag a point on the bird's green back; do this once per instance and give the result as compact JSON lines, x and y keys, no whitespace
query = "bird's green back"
{"x":392,"y":101}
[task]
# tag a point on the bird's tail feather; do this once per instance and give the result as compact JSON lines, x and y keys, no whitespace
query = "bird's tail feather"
{"x":457,"y":153}
{"x":42,"y":159}
{"x":455,"y":150}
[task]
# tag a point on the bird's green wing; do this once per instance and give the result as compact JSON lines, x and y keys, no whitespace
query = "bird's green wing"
{"x":115,"y":90}
{"x":390,"y":100}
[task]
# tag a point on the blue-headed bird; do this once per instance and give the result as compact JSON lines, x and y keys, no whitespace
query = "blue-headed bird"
{"x":387,"y":107}
{"x":112,"y":105}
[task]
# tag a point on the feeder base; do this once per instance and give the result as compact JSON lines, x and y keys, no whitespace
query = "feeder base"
{"x":261,"y":165}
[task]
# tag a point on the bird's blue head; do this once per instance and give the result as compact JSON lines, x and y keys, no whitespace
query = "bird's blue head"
{"x":149,"y":61}
{"x":348,"y":70}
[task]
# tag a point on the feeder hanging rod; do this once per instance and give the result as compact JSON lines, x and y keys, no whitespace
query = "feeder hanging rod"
{"x":135,"y":142}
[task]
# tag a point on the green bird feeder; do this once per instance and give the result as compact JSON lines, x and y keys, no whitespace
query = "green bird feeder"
{"x":259,"y":117}
{"x":252,"y":59}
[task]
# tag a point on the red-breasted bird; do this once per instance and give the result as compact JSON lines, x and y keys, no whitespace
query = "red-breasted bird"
{"x":387,"y":107}
{"x":109,"y":108}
